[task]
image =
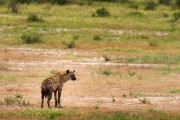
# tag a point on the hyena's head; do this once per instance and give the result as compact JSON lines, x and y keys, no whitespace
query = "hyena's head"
{"x":71,"y":74}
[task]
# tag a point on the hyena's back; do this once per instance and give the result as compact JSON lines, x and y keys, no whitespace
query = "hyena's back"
{"x":49,"y":85}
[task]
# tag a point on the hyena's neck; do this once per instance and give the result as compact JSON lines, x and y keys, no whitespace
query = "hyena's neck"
{"x":64,"y":78}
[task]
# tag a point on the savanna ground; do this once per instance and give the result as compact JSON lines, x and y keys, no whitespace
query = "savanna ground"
{"x":127,"y":64}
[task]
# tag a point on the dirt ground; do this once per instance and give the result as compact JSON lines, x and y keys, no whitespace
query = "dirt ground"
{"x":28,"y":67}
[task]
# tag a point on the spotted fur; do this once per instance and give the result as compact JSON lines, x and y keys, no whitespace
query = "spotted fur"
{"x":55,"y":84}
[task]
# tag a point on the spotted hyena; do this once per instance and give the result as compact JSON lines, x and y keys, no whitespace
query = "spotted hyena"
{"x":54,"y":84}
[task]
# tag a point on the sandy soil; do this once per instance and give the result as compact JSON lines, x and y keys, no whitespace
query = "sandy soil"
{"x":147,"y":89}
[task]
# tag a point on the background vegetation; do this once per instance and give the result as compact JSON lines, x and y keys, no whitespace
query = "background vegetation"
{"x":147,"y":29}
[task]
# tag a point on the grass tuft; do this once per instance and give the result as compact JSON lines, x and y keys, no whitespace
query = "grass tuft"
{"x":131,"y":73}
{"x":167,"y":68}
{"x":107,"y":72}
{"x":153,"y":43}
{"x":106,"y":58}
{"x":34,"y":18}
{"x":101,"y":12}
{"x":96,"y":38}
{"x":175,"y":90}
{"x":17,"y":99}
{"x":7,"y":77}
{"x":69,"y":44}
{"x":32,"y":37}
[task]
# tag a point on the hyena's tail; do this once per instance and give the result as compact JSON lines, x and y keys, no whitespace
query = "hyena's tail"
{"x":45,"y":91}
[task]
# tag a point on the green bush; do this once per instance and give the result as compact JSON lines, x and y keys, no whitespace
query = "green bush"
{"x":29,"y":38}
{"x":164,"y":2}
{"x":178,"y":3}
{"x":150,"y":5}
{"x":2,"y":2}
{"x":107,"y":72}
{"x":106,"y":58}
{"x":133,"y":5}
{"x":34,"y":18}
{"x":96,"y":38}
{"x":24,"y":1}
{"x":60,"y":2}
{"x":69,"y":44}
{"x":136,"y":13}
{"x":153,"y":43}
{"x":17,"y":99}
{"x":75,"y":37}
{"x":12,"y":4}
{"x":102,"y":12}
{"x":176,"y":16}
{"x":131,"y":73}
{"x":121,"y":1}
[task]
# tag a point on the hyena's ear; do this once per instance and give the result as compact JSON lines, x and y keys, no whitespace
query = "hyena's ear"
{"x":74,"y":71}
{"x":67,"y":71}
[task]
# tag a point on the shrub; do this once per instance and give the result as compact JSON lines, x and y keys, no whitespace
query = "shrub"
{"x":102,"y":12}
{"x":176,"y":16}
{"x":136,"y":13}
{"x":29,"y":38}
{"x":25,"y":1}
{"x":164,"y":2}
{"x":153,"y":43}
{"x":106,"y":58}
{"x":107,"y":72}
{"x":2,"y":2}
{"x":178,"y":3}
{"x":131,"y":73}
{"x":121,"y":1}
{"x":34,"y":18}
{"x":96,"y":38}
{"x":75,"y":37}
{"x":60,"y":2}
{"x":12,"y":5}
{"x":133,"y":5}
{"x":69,"y":44}
{"x":17,"y":99}
{"x":150,"y":5}
{"x":144,"y":101}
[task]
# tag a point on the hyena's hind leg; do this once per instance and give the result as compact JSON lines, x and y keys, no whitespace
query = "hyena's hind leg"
{"x":42,"y":97}
{"x":48,"y":101}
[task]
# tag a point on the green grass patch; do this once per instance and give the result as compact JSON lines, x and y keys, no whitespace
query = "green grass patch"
{"x":106,"y":72}
{"x":175,"y":90}
{"x":8,"y":77}
{"x":152,"y":114}
{"x":167,"y":68}
{"x":34,"y":18}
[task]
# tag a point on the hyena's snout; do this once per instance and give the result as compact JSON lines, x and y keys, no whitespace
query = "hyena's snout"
{"x":73,"y":77}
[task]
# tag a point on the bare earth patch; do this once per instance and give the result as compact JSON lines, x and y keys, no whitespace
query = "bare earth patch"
{"x":119,"y":90}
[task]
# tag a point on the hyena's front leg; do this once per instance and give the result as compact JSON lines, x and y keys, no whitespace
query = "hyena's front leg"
{"x":49,"y":98}
{"x":55,"y":98}
{"x":59,"y":97}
